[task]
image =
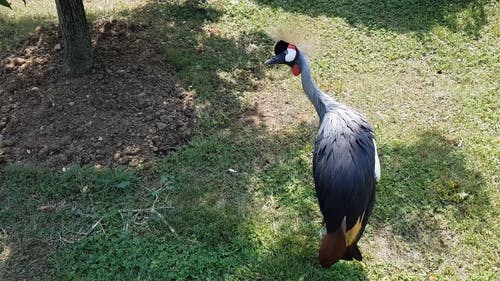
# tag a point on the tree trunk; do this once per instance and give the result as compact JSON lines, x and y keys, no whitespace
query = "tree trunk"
{"x":76,"y":37}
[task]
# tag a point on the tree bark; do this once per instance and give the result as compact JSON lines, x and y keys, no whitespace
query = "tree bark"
{"x":76,"y":37}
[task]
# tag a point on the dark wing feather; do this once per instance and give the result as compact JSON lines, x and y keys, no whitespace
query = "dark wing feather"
{"x":344,"y":164}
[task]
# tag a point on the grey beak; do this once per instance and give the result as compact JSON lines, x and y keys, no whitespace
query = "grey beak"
{"x":280,"y":58}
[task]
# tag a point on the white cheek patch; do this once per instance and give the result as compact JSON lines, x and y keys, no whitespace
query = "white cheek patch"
{"x":291,"y":53}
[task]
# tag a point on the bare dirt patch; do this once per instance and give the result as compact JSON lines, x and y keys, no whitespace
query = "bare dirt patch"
{"x":128,"y":110}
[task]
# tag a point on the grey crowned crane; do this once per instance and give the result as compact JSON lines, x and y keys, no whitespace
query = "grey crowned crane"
{"x":345,"y":164}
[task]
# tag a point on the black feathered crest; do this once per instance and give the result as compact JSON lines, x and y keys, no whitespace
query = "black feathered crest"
{"x":280,"y":47}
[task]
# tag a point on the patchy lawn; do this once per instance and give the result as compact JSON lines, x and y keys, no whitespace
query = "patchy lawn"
{"x":234,"y":199}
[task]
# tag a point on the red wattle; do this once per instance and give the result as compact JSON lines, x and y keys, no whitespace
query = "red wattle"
{"x":296,"y":70}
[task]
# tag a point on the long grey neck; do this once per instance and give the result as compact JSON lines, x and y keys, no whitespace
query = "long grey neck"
{"x":321,"y":101}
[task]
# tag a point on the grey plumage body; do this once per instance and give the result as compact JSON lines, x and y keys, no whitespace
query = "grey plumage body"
{"x":344,"y":155}
{"x":345,"y":164}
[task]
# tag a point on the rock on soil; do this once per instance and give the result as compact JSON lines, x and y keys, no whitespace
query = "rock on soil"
{"x":128,"y":110}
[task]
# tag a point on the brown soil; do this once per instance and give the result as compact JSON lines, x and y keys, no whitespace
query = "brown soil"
{"x":128,"y":110}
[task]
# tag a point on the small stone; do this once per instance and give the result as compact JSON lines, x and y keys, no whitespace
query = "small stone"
{"x":44,"y":151}
{"x":117,"y":156}
{"x":71,"y":103}
{"x":39,"y":30}
{"x":134,"y":162}
{"x":179,"y":91}
{"x":18,"y":61}
{"x":65,"y":140}
{"x":8,"y":142}
{"x":123,"y":160}
{"x":164,"y":118}
{"x":35,"y":89}
{"x":100,"y":138}
{"x":131,"y":150}
{"x":161,"y":126}
{"x":58,"y":47}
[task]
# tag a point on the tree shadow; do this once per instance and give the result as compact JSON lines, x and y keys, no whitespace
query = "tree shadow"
{"x":218,"y":69}
{"x":423,"y":182}
{"x":213,"y":217}
{"x":97,"y":223}
{"x":13,"y":31}
{"x":157,"y":115}
{"x":262,"y":209}
{"x":241,"y":206}
{"x":400,"y":16}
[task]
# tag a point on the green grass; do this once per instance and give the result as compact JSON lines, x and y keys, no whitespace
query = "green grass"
{"x":424,"y":72}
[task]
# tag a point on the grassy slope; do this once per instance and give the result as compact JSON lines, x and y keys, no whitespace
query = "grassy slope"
{"x":424,"y":73}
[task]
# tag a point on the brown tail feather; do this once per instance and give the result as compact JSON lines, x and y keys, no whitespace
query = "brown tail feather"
{"x":332,"y":248}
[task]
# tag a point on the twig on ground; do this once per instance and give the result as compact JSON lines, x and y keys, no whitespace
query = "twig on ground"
{"x":85,"y":234}
{"x":151,"y":210}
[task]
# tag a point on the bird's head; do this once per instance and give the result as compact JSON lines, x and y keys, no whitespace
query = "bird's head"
{"x":286,"y":53}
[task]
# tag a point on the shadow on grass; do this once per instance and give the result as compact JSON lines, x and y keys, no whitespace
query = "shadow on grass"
{"x":194,"y":216}
{"x":424,"y":181}
{"x":14,"y":30}
{"x":208,"y":222}
{"x":216,"y":68}
{"x":403,"y":16}
{"x":257,"y":221}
